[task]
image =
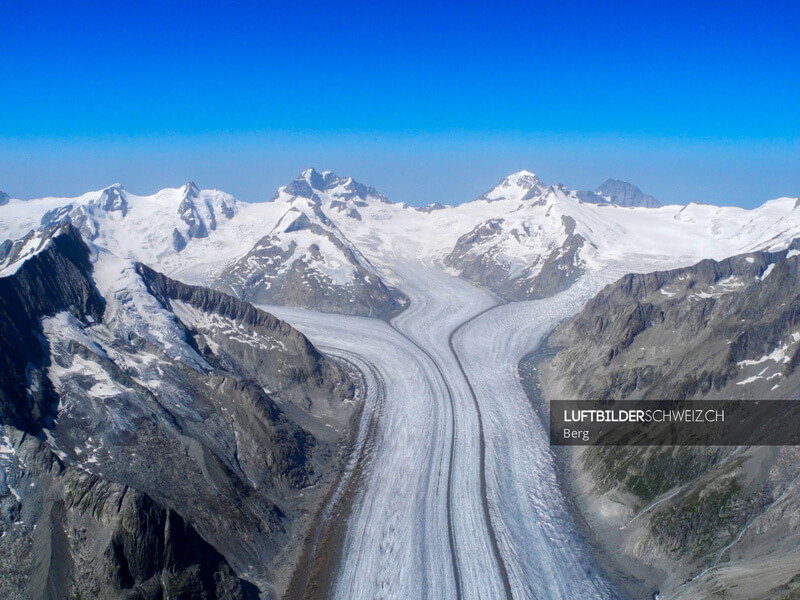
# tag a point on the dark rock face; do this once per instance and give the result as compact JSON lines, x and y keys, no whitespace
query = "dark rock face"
{"x":178,"y":241}
{"x":191,"y":216}
{"x":706,"y":320}
{"x":97,"y":539}
{"x":5,"y":250}
{"x":725,"y":329}
{"x":4,"y":198}
{"x":187,"y":434}
{"x":155,"y":550}
{"x":54,"y":280}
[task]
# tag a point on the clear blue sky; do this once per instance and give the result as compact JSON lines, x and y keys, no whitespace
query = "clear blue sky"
{"x":426,"y":101}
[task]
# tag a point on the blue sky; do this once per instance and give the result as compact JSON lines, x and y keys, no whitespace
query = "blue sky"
{"x":426,"y":101}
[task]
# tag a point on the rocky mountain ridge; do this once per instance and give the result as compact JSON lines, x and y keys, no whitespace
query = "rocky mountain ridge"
{"x":328,"y":242}
{"x":143,"y":417}
{"x":725,"y":329}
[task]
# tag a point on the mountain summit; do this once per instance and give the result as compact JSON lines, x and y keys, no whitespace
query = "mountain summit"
{"x":307,"y":260}
{"x":327,"y":186}
{"x":522,"y":185}
{"x":623,"y":193}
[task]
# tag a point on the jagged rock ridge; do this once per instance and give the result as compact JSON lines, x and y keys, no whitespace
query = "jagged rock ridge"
{"x":725,"y":329}
{"x":164,"y":407}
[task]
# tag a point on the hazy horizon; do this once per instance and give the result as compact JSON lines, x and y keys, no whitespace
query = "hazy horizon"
{"x":688,"y":102}
{"x":415,"y":171}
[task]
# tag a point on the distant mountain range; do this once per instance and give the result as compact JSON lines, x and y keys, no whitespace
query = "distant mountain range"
{"x":523,"y":239}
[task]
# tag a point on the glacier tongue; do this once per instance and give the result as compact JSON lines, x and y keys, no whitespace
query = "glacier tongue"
{"x":459,"y":497}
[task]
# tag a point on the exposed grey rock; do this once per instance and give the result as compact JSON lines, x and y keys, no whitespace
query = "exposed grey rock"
{"x":430,"y":207}
{"x":178,"y":241}
{"x":4,"y":198}
{"x":222,"y":422}
{"x":55,"y":215}
{"x":5,"y":250}
{"x":560,"y":269}
{"x":707,"y":318}
{"x":113,"y":200}
{"x":190,"y":215}
{"x":75,"y":535}
{"x":289,"y":267}
{"x":623,"y":193}
{"x":545,"y":276}
{"x":725,"y":329}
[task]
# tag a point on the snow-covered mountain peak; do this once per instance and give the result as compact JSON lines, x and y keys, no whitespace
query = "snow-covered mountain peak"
{"x":190,"y":190}
{"x":325,"y":188}
{"x":113,"y":199}
{"x":522,"y":185}
{"x":523,"y":178}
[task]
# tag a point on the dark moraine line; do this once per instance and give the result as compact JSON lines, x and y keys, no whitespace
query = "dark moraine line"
{"x":450,"y":533}
{"x":501,"y":565}
{"x":303,"y":586}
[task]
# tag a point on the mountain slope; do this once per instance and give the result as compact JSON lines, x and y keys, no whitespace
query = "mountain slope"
{"x":218,"y":419}
{"x":725,"y":329}
{"x":307,"y":261}
{"x":530,"y":252}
